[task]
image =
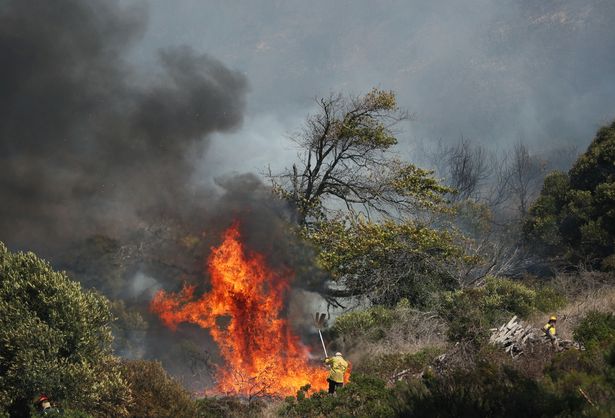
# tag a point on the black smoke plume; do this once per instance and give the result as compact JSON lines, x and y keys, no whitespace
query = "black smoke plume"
{"x":88,"y":143}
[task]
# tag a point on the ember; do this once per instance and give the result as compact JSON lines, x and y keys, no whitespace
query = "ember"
{"x":262,"y":355}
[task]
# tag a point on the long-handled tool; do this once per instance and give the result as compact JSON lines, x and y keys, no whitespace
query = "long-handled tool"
{"x":319,"y":321}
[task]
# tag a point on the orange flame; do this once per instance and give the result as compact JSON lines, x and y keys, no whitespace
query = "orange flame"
{"x":262,"y":355}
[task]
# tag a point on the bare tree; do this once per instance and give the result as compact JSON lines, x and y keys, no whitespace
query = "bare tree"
{"x":526,"y":174}
{"x":465,"y":167}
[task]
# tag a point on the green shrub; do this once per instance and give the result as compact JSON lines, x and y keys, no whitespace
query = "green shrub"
{"x":488,"y":389}
{"x":548,"y":299}
{"x":471,"y":312}
{"x":504,"y":297}
{"x":55,"y":339}
{"x":371,"y":322}
{"x":364,"y":396}
{"x":584,"y":380}
{"x":596,"y":328}
{"x":155,"y":393}
{"x":466,"y":318}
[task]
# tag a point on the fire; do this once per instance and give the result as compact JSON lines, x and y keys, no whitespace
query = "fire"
{"x":243,"y":314}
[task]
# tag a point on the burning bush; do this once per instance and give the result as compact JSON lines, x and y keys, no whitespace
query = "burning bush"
{"x":243,"y":312}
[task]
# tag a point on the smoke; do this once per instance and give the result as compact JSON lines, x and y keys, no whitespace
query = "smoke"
{"x":88,"y":143}
{"x":494,"y":71}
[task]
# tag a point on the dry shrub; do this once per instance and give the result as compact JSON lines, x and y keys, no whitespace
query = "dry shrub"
{"x":380,"y":331}
{"x":534,"y":360}
{"x":271,"y":408}
{"x":414,"y":331}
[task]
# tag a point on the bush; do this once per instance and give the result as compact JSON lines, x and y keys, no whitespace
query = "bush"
{"x":487,"y":390}
{"x":228,"y":407}
{"x":471,"y":312}
{"x":364,"y":396}
{"x":548,"y":299}
{"x":385,"y":366}
{"x":573,"y":218}
{"x":596,"y":328}
{"x":155,"y":393}
{"x":55,"y":339}
{"x":584,"y":380}
{"x":371,"y":323}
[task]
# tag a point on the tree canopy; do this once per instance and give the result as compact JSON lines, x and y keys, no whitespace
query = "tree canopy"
{"x":363,"y":208}
{"x":386,"y":261}
{"x":55,"y":339}
{"x":345,"y":159}
{"x":573,"y":220}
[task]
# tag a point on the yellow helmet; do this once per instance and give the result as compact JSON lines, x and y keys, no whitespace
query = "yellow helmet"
{"x":553,"y":318}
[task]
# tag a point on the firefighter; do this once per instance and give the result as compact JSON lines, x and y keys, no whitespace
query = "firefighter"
{"x":549,"y":328}
{"x":43,"y":404}
{"x":336,"y":375}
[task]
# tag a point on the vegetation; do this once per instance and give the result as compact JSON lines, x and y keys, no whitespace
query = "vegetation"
{"x":386,"y":261}
{"x":55,"y":339}
{"x":573,"y":220}
{"x":364,"y":397}
{"x":471,"y":312}
{"x":431,"y":267}
{"x":366,"y":212}
{"x":156,"y":393}
{"x":346,"y":160}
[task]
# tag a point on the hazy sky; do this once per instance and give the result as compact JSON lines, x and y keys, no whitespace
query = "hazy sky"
{"x":496,"y":71}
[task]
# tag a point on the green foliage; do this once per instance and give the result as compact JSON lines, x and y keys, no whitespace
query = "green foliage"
{"x":585,"y":380}
{"x":155,"y":393}
{"x":548,"y":299}
{"x":346,"y":158}
{"x":127,"y":328}
{"x":387,"y":261}
{"x":488,"y":389}
{"x":364,"y":396}
{"x":370,"y":323}
{"x":574,"y":217}
{"x":595,"y":328}
{"x":471,"y":312}
{"x":55,"y":338}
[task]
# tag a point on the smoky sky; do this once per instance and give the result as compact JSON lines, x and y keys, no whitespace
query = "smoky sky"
{"x":88,"y":141}
{"x":494,"y":71}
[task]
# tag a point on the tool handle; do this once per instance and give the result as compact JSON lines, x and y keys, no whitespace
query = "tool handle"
{"x":323,"y":343}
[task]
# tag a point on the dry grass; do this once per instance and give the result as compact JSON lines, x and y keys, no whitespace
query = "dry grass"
{"x":271,"y":409}
{"x":412,"y":332}
{"x":588,"y":291}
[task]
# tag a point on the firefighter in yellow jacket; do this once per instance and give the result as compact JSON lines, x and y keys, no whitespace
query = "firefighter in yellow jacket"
{"x":338,"y":368}
{"x":549,"y":328}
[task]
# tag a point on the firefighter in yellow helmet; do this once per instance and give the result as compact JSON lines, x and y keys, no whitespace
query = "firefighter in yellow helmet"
{"x":549,"y":328}
{"x":338,"y":368}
